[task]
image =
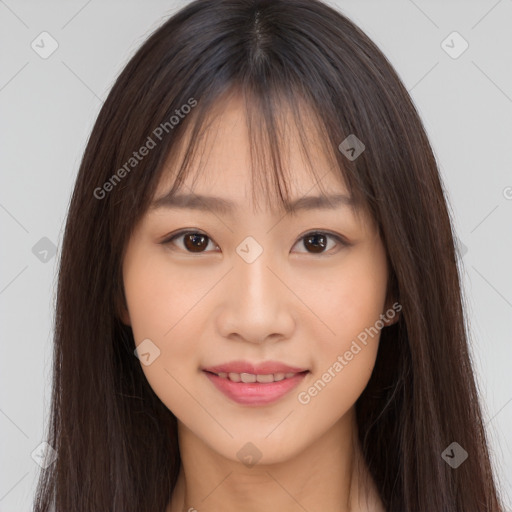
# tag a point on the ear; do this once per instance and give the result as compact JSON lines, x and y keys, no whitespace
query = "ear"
{"x":122,"y":308}
{"x":391,"y":314}
{"x":124,"y":315}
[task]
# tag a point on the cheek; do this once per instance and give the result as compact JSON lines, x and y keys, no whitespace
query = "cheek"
{"x":353,"y":298}
{"x":150,"y":299}
{"x":158,"y":308}
{"x":161,"y":312}
{"x":350,"y":306}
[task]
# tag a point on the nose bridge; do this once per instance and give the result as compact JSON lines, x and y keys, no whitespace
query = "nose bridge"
{"x":257,"y":286}
{"x":258,"y":305}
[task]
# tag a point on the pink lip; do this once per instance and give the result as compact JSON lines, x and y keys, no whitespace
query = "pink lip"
{"x":256,"y":369}
{"x":255,"y":393}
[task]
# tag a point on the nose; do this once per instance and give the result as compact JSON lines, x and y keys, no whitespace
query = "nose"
{"x":258,"y":306}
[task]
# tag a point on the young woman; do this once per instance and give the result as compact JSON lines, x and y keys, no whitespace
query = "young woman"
{"x":259,"y":305}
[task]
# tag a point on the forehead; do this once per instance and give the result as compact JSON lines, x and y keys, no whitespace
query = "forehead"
{"x":232,"y":160}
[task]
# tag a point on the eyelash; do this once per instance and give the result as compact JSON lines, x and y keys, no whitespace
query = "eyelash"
{"x":339,"y":239}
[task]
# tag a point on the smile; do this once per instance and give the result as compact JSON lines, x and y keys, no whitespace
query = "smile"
{"x":250,"y":377}
{"x":255,"y":389}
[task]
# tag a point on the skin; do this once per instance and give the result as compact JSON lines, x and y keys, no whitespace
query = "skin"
{"x":290,"y":305}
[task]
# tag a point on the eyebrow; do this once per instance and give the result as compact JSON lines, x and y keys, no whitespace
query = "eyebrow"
{"x":220,"y":205}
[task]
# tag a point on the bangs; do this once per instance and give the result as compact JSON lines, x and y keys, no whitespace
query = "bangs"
{"x":278,"y":123}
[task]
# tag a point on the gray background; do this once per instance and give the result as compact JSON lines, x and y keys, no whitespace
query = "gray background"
{"x":47,"y":110}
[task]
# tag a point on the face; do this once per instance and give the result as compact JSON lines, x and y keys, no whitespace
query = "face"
{"x":247,"y":292}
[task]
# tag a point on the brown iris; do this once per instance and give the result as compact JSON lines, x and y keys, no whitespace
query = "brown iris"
{"x":318,"y":242}
{"x":195,"y":242}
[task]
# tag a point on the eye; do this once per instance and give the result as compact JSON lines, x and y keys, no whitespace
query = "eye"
{"x":193,"y":241}
{"x":315,"y":242}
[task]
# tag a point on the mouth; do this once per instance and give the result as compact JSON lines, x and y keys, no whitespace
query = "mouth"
{"x":255,"y":389}
{"x":249,"y":378}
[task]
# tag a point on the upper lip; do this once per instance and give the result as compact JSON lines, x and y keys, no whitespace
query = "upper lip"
{"x":263,"y":368}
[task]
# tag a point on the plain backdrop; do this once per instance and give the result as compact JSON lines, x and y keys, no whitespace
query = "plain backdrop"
{"x":48,"y":106}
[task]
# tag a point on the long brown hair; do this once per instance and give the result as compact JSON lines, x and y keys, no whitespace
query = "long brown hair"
{"x":116,"y":442}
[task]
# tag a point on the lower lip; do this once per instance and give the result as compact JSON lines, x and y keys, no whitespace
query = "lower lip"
{"x":255,"y":393}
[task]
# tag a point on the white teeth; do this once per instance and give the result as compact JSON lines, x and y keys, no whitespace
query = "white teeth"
{"x":250,"y":378}
{"x":235,"y":377}
{"x":265,"y":378}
